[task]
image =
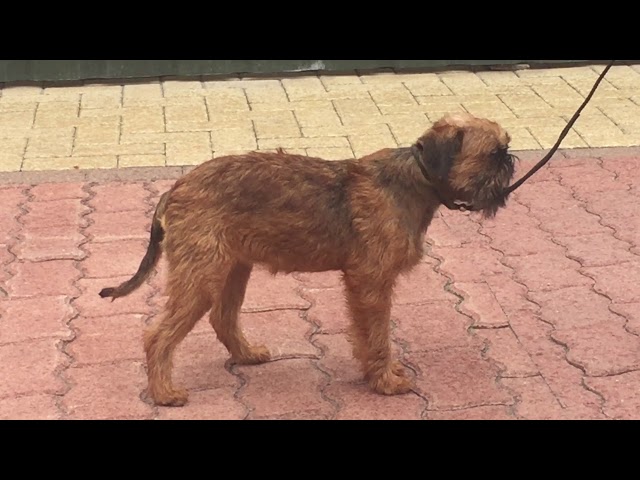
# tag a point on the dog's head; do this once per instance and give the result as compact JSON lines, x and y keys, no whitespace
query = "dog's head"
{"x":467,"y":160}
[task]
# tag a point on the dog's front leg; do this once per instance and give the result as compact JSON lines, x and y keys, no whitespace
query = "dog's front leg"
{"x":370,"y":309}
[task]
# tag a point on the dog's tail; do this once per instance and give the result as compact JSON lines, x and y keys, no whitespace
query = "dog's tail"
{"x":150,"y":258}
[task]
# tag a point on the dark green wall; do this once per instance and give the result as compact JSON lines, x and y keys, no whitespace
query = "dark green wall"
{"x":65,"y":70}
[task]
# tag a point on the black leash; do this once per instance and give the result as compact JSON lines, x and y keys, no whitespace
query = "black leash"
{"x":537,"y":166}
{"x":564,"y":133}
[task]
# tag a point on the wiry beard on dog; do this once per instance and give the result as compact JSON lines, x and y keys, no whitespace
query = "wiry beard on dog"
{"x":489,"y":188}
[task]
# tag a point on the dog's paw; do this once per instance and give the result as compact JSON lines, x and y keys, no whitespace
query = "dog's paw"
{"x":400,"y":370}
{"x":254,"y":356}
{"x":170,"y":398}
{"x":395,"y":381}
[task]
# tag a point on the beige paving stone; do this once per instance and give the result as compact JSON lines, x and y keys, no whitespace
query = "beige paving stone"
{"x":145,"y":94}
{"x":344,"y":79}
{"x":404,"y":119}
{"x":51,"y":142}
{"x":402,"y":109}
{"x":104,"y":89}
{"x":452,"y":100}
{"x":226,"y":100}
{"x":621,"y":76}
{"x":566,"y":111}
{"x":188,"y":154}
{"x":224,"y":153}
{"x":264,"y":129}
{"x":392,"y":95}
{"x":533,"y":105}
{"x":335,"y":153}
{"x":545,"y":81}
{"x":265,"y":108}
{"x":511,"y":90}
{"x":366,"y":144}
{"x":13,"y":145}
{"x":192,"y":111}
{"x":404,"y":77}
{"x":552,"y":72}
{"x":630,"y":126}
{"x":141,"y":160}
{"x":428,"y":86}
{"x":406,"y":134}
{"x":496,"y":79}
{"x":548,"y":136}
{"x":492,"y":110}
{"x":623,"y":112}
{"x":98,"y":100}
{"x":22,"y":93}
{"x":521,"y":139}
{"x":303,"y":88}
{"x":315,"y":142}
{"x":347,"y":92}
{"x":317,"y":117}
{"x":436,"y":113}
{"x":284,"y":116}
{"x":360,"y":111}
{"x":189,"y":138}
{"x":324,"y":104}
{"x":557,"y":123}
{"x":380,"y":77}
{"x":125,"y":149}
{"x":230,"y":119}
{"x":15,"y":120}
{"x":98,"y":133}
{"x":182,"y":88}
{"x":345,"y":130}
{"x":59,"y":95}
{"x":101,"y":112}
{"x":234,"y":139}
{"x":586,"y":72}
{"x":464,"y":83}
{"x":558,"y":95}
{"x":168,"y":137}
{"x":356,"y":106}
{"x":6,"y":105}
{"x":147,"y":138}
{"x":70,"y":163}
{"x":523,"y":105}
{"x":10,"y":162}
{"x":266,"y":94}
{"x":274,"y":125}
{"x":596,"y":140}
{"x":56,"y":115}
{"x":245,"y":82}
{"x":185,"y":127}
{"x":598,"y":124}
{"x":15,"y":131}
{"x":584,"y":86}
{"x":142,"y":120}
{"x":291,"y":151}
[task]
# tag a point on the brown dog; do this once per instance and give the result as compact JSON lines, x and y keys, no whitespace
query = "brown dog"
{"x":364,"y":217}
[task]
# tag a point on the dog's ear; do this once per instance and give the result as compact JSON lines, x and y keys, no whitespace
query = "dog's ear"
{"x":438,"y":149}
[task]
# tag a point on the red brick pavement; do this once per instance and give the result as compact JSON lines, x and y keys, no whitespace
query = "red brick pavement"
{"x":532,"y":315}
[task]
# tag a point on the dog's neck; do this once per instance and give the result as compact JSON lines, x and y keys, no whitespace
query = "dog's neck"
{"x":400,"y":175}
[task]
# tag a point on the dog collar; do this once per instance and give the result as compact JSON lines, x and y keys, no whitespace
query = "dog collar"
{"x":439,"y":195}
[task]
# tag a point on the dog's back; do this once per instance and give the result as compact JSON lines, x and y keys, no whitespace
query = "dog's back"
{"x":268,"y":206}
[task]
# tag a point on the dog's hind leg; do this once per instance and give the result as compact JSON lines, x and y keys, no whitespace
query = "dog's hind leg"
{"x":224,"y":318}
{"x":189,"y":299}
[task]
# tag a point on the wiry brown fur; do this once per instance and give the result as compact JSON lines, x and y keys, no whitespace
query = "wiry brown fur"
{"x":364,"y":217}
